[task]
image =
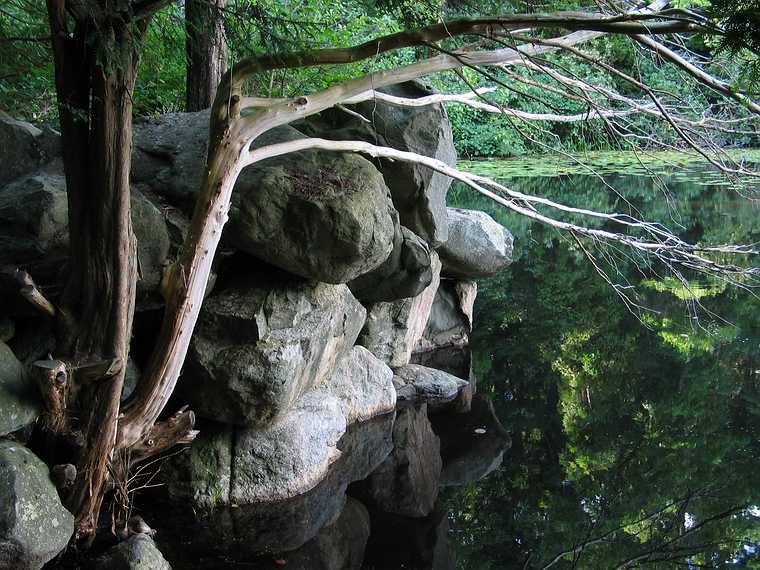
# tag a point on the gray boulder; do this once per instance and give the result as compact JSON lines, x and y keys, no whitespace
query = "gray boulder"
{"x":416,"y":383}
{"x":478,"y":246}
{"x":20,"y":403}
{"x":406,"y":272}
{"x":406,"y":483}
{"x":262,"y":343}
{"x":34,"y":526}
{"x":324,"y":216}
{"x":450,"y":322}
{"x":363,"y":384}
{"x":419,"y":193}
{"x":394,"y":328}
{"x":240,"y":531}
{"x":24,"y":147}
{"x":138,"y":552}
{"x":34,"y":228}
{"x":291,"y":456}
{"x":33,"y":218}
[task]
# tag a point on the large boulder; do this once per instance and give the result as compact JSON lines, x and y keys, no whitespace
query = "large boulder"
{"x":291,"y":456}
{"x":262,"y":343}
{"x":478,"y":246}
{"x":363,"y":384}
{"x":324,"y":216}
{"x":394,"y":328}
{"x":416,"y":384}
{"x":34,"y":526}
{"x":450,"y":321}
{"x":25,"y":147}
{"x":238,"y":531}
{"x":34,"y":228}
{"x":406,"y":272}
{"x":138,"y":552}
{"x":419,"y":193}
{"x":19,"y":398}
{"x":406,"y":483}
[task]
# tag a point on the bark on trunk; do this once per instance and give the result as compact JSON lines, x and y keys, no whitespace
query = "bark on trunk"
{"x":95,"y":74}
{"x":206,"y":47}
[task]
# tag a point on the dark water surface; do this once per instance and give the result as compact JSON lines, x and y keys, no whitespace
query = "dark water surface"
{"x":635,"y":436}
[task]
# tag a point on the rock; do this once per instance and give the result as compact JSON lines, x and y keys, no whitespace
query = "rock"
{"x":419,"y":193}
{"x":338,"y":546}
{"x":406,"y":483}
{"x":292,"y":455}
{"x":472,"y":444}
{"x":406,"y":272}
{"x":363,"y":385}
{"x":260,"y":344}
{"x":477,"y":246}
{"x":7,"y":329}
{"x":20,"y":403}
{"x":138,"y":552}
{"x":34,"y":228}
{"x":131,"y":378}
{"x":435,"y":387}
{"x":201,"y":474}
{"x":324,"y":216}
{"x":34,"y":526}
{"x":456,"y":361}
{"x":393,"y":329}
{"x":242,"y":532}
{"x":33,"y":218}
{"x":24,"y":147}
{"x":450,"y":321}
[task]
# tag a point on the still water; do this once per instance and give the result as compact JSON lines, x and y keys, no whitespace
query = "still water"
{"x":601,"y":436}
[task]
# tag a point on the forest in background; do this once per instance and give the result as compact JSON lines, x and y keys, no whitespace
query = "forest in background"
{"x":255,"y":27}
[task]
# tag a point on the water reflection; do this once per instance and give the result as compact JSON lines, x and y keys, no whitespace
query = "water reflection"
{"x":590,"y":439}
{"x":631,"y":446}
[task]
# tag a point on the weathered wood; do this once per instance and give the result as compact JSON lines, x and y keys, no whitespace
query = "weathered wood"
{"x":164,"y":435}
{"x":31,"y":293}
{"x":54,"y":381}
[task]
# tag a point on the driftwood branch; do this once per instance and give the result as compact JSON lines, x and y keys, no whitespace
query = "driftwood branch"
{"x":31,"y":293}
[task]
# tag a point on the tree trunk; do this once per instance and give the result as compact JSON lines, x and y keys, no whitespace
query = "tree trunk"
{"x":95,"y":74}
{"x":206,"y":47}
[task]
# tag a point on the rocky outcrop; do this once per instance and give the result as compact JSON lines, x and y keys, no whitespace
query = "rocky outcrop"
{"x":324,"y":216}
{"x":394,"y":328}
{"x":363,"y":384}
{"x":19,"y":398}
{"x":450,"y":321}
{"x":419,"y":193}
{"x":417,"y":384}
{"x":138,"y":552}
{"x":262,"y":343}
{"x":406,"y":272}
{"x":25,"y":147}
{"x":406,"y":483}
{"x":477,"y":246}
{"x":34,"y":526}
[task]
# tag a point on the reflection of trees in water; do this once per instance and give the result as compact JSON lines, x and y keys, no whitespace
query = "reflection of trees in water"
{"x":631,"y":447}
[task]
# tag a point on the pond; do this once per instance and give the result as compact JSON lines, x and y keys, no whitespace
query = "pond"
{"x":601,"y":436}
